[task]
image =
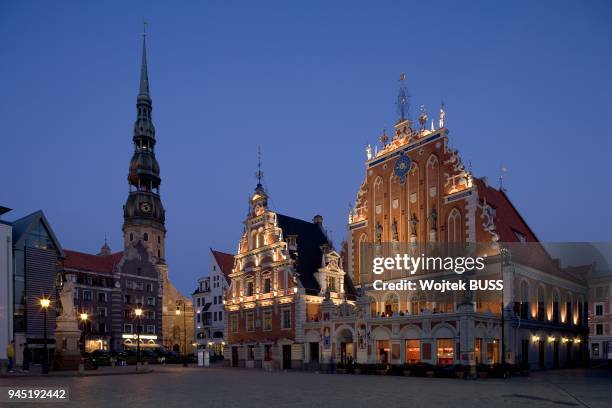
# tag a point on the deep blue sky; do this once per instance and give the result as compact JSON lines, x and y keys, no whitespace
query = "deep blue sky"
{"x":527,"y":86}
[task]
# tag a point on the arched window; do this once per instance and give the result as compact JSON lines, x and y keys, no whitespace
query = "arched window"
{"x":455,"y":232}
{"x":541,"y":315}
{"x":524,"y":300}
{"x":556,"y":304}
{"x":391,"y":304}
{"x":569,"y":315}
{"x":418,"y":303}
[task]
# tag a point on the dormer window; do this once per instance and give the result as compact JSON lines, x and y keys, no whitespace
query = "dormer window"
{"x":292,"y":242}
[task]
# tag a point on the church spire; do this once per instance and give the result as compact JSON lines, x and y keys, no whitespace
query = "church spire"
{"x":144,"y":74}
{"x":143,"y":212}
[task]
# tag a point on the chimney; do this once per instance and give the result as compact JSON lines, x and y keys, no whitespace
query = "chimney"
{"x":317,"y":219}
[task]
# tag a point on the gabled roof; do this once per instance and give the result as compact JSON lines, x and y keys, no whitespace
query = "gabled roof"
{"x":310,"y":239}
{"x":225,"y":261}
{"x":23,"y":225}
{"x":508,"y":221}
{"x":91,"y":263}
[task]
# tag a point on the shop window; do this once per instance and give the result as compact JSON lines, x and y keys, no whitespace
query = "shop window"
{"x":445,"y":352}
{"x":413,"y":351}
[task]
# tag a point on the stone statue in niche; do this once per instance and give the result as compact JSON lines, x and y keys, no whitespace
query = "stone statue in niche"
{"x":433,"y":219}
{"x":379,"y":232}
{"x":394,"y":230}
{"x":414,"y":221}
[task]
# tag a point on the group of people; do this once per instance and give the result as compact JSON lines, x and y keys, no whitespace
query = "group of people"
{"x":27,"y":357}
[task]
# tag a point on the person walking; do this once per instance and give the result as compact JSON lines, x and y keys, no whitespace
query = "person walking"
{"x":10,"y":353}
{"x":27,"y":358}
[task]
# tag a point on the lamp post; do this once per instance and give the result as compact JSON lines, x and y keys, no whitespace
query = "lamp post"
{"x":45,"y":303}
{"x":504,"y":260}
{"x":138,"y":314}
{"x":181,"y":304}
{"x":83,"y":316}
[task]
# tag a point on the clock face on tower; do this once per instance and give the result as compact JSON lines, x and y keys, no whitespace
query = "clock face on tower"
{"x":402,"y":165}
{"x":145,"y":207}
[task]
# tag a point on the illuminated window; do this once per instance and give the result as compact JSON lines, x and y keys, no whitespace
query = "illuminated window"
{"x":413,"y":351}
{"x":267,"y":320}
{"x":445,"y":352}
{"x":478,"y":349}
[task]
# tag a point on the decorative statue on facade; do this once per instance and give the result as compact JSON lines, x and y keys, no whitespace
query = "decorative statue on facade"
{"x":394,"y":231}
{"x":414,"y":221}
{"x":369,"y":151}
{"x":433,"y":219}
{"x":442,"y":115}
{"x":379,"y":232}
{"x":423,"y":117}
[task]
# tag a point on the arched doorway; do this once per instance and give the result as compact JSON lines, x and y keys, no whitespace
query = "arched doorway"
{"x":345,"y":340}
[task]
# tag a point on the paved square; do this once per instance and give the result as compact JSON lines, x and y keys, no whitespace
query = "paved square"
{"x":175,"y":386}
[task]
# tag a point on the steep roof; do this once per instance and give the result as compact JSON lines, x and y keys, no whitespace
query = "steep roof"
{"x":224,"y":260}
{"x":91,"y":263}
{"x":310,"y":239}
{"x":508,"y":221}
{"x":25,"y":224}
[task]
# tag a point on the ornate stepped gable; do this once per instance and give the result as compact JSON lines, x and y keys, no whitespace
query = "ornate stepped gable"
{"x":417,"y":189}
{"x":273,"y":241}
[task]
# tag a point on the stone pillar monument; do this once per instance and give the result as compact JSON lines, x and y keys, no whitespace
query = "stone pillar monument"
{"x":67,"y":333}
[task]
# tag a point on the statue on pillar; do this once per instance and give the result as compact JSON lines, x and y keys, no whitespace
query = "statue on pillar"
{"x":67,"y":332}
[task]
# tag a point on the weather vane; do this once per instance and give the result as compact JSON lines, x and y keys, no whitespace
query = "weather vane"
{"x":402,"y":98}
{"x":144,"y":28}
{"x":259,"y":173}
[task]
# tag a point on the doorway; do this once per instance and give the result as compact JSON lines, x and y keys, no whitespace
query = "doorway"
{"x":346,"y":351}
{"x":541,"y":351}
{"x":556,"y":354}
{"x":286,"y":356}
{"x":234,"y":356}
{"x":314,"y":352}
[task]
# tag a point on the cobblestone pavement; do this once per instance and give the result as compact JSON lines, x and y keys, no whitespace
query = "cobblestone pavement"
{"x":175,"y":386}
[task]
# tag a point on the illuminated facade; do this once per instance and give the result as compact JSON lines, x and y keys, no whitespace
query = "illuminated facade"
{"x":416,"y":191}
{"x":285,"y":274}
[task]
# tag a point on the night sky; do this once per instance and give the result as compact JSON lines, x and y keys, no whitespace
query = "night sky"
{"x":527,"y":86}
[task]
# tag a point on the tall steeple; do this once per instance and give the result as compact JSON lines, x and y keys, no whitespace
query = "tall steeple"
{"x":143,"y":213}
{"x":144,"y":75}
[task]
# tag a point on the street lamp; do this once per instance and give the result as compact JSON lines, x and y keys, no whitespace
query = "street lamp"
{"x":181,"y":304}
{"x":84,"y":316}
{"x":138,"y":314}
{"x":504,"y":261}
{"x":45,"y":303}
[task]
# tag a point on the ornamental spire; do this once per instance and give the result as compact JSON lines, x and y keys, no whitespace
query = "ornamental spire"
{"x":259,"y":174}
{"x":144,"y":75}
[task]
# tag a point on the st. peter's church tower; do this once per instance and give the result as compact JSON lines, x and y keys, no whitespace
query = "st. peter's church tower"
{"x":143,"y":212}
